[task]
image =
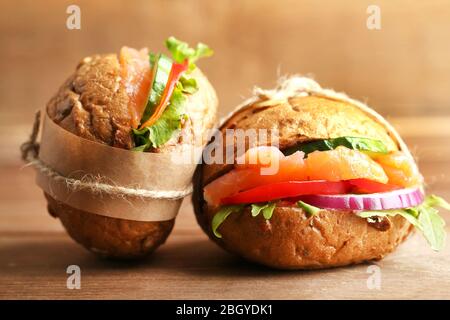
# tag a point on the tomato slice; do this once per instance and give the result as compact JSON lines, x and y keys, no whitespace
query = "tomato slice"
{"x":287,"y":189}
{"x":370,"y":186}
{"x":174,"y":75}
{"x":291,"y":168}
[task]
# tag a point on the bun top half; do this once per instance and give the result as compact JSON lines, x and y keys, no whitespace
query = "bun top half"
{"x":93,"y":104}
{"x":303,"y":118}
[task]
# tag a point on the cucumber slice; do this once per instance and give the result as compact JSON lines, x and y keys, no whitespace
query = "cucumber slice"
{"x":161,"y":65}
{"x":356,"y":143}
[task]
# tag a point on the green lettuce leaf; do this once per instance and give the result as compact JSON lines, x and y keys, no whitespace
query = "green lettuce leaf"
{"x":220,"y":217}
{"x":152,"y":57}
{"x":405,"y":213}
{"x":266,"y":208}
{"x":268,"y":211}
{"x":164,"y":128}
{"x":160,"y":77}
{"x":188,"y":85}
{"x":432,"y":227}
{"x":356,"y":143}
{"x":170,"y":121}
{"x":256,"y":208}
{"x":435,"y":201}
{"x":309,"y":209}
{"x":424,"y":217}
{"x":180,"y":51}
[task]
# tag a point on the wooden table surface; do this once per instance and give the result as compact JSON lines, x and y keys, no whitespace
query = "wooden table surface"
{"x":35,"y":251}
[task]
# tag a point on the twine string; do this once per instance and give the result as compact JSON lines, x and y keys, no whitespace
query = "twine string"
{"x":30,"y":149}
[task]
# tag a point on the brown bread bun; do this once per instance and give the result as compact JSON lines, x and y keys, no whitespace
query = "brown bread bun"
{"x":291,"y":239}
{"x":92,"y":104}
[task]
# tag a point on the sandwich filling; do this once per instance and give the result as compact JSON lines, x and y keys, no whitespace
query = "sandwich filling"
{"x":354,"y":174}
{"x":157,"y":86}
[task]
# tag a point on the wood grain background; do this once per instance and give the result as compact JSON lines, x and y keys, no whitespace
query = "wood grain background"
{"x":402,"y":70}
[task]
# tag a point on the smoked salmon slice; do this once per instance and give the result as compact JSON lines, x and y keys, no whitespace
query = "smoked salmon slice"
{"x":248,"y":175}
{"x":343,"y":164}
{"x":334,"y":165}
{"x":136,"y":77}
{"x":400,"y":169}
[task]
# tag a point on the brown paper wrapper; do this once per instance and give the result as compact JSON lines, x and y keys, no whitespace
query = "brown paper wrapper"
{"x":77,"y":158}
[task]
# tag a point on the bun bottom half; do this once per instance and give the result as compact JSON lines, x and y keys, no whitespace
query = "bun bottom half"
{"x":110,"y":237}
{"x":292,"y":239}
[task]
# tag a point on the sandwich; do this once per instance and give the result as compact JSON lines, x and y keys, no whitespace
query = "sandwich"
{"x":342,"y":187}
{"x":141,"y":102}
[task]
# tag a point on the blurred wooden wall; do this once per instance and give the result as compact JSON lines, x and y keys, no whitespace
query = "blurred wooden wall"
{"x":401,"y":70}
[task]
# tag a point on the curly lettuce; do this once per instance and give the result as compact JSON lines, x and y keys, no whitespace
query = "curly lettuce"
{"x":171,"y":119}
{"x":309,"y":209}
{"x":180,"y":51}
{"x":221,"y":216}
{"x":165,"y":127}
{"x":424,"y":217}
{"x":256,"y":208}
{"x":265,"y":208}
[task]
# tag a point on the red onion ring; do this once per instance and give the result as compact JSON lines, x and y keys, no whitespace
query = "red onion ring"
{"x":397,"y":199}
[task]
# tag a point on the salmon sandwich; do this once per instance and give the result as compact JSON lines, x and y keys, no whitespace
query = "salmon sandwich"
{"x":345,"y":188}
{"x":141,"y":102}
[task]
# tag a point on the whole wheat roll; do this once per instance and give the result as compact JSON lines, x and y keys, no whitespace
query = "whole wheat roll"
{"x":92,"y":103}
{"x":292,"y":239}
